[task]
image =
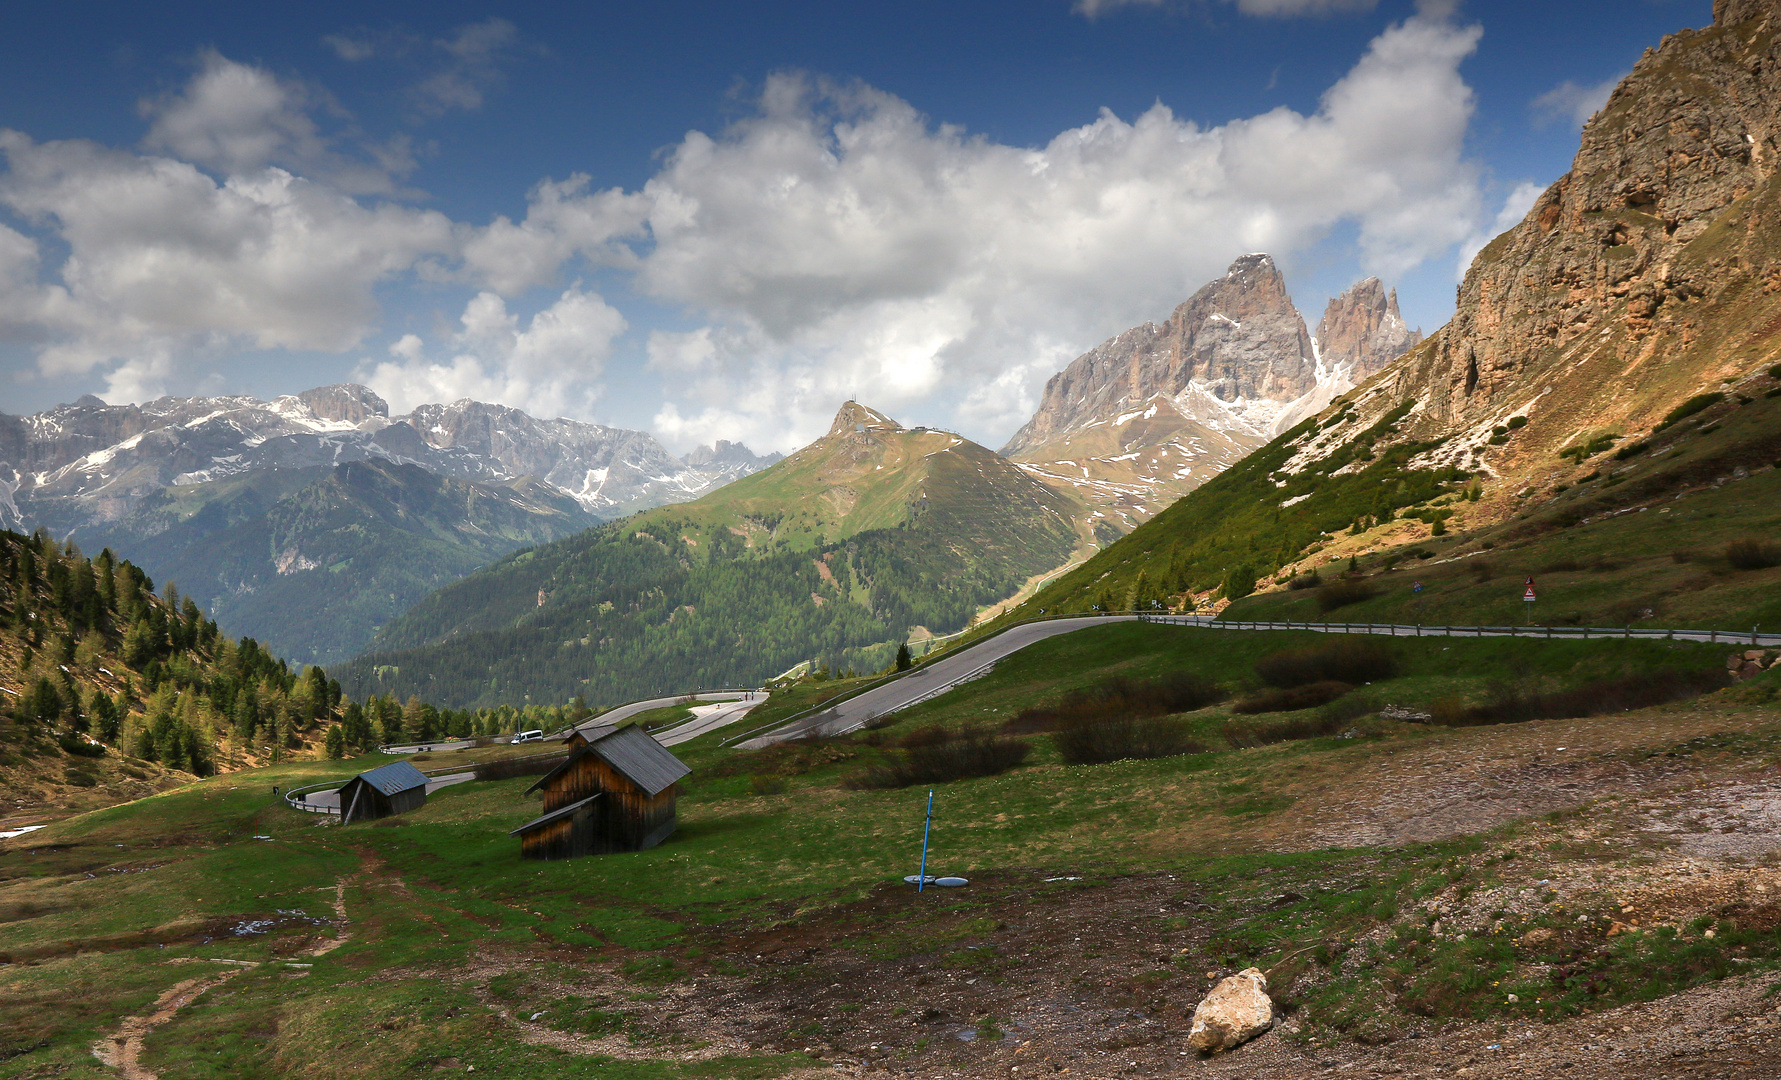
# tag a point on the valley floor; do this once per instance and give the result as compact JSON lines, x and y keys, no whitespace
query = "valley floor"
{"x":1620,"y":876}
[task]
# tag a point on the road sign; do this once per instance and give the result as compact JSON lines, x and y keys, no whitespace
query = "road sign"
{"x":1416,"y":587}
{"x":1529,"y":594}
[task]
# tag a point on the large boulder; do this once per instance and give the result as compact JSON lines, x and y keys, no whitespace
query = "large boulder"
{"x":1235,"y":1011}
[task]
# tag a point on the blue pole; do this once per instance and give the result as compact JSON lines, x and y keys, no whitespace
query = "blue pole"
{"x":921,"y":879}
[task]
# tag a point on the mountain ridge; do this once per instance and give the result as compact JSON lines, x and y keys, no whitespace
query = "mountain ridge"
{"x":835,"y":553}
{"x":1149,"y":415}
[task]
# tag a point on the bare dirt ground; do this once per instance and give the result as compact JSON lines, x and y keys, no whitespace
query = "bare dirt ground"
{"x":1658,"y":819}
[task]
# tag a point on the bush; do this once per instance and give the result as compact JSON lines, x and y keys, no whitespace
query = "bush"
{"x":1688,"y":408}
{"x":1752,"y":554}
{"x":1120,"y":697}
{"x":1632,"y":450}
{"x":767,"y":785}
{"x":929,"y":735}
{"x":1513,"y":704}
{"x":1305,"y":581}
{"x":1340,"y":594}
{"x":1517,"y":422}
{"x":79,"y":747}
{"x":1292,"y":699}
{"x":1092,"y":740}
{"x":1348,"y":660}
{"x":958,"y":759}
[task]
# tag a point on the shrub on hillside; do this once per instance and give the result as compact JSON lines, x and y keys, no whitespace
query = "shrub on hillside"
{"x":962,"y":758}
{"x":1305,"y":581}
{"x":1340,"y":594}
{"x":926,"y":735}
{"x":1092,"y":740}
{"x":1752,"y":554}
{"x":1123,"y":697}
{"x":767,"y":785}
{"x":1688,"y":408}
{"x":1513,"y":704}
{"x":1293,"y":698}
{"x":1347,"y":660}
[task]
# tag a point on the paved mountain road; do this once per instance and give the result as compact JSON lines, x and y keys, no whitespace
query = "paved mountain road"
{"x":934,"y":679}
{"x":928,"y":680}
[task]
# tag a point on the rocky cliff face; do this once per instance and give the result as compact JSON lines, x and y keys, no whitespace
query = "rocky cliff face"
{"x":1646,"y":274}
{"x":1362,"y":331}
{"x":1238,"y":341}
{"x":1140,"y":420}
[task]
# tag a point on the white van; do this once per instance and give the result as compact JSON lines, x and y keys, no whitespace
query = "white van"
{"x":535,"y":735}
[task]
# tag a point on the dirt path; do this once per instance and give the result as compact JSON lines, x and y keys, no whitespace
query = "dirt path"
{"x":122,"y":1050}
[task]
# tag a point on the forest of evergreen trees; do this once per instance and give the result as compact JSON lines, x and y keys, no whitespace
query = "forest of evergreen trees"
{"x":99,"y":660}
{"x":630,"y":611}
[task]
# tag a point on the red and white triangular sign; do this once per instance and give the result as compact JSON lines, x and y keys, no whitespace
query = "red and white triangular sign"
{"x":1529,"y":594}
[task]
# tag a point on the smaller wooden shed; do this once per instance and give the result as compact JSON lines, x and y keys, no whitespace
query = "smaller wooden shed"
{"x":616,"y":792}
{"x":390,"y":789}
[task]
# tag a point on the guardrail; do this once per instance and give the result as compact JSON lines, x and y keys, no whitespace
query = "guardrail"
{"x":1752,"y":639}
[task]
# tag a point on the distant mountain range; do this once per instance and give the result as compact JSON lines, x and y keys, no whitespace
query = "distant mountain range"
{"x":834,"y":554}
{"x":309,"y":520}
{"x":1140,"y":420}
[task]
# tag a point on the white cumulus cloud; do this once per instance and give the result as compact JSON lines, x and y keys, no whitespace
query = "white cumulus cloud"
{"x":552,"y":366}
{"x":161,"y":254}
{"x":838,"y":241}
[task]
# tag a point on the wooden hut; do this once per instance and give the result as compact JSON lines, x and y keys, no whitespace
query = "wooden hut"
{"x":395,"y":788}
{"x":616,"y":792}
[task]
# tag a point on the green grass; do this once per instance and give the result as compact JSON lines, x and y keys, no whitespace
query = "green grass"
{"x":188,"y":861}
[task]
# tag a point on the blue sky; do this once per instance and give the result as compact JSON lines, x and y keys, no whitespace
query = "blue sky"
{"x":717,"y":220}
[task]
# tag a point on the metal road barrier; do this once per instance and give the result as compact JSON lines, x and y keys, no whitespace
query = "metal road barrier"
{"x":1750,"y":639}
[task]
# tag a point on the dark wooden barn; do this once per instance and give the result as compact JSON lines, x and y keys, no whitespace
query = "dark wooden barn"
{"x":615,"y":793}
{"x":395,"y":788}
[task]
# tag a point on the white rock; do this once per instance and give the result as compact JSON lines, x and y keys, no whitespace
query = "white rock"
{"x":1235,"y":1011}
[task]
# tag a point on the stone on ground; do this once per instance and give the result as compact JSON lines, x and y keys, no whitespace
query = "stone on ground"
{"x":1235,"y":1011}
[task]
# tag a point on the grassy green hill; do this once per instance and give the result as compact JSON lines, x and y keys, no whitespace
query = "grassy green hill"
{"x":313,"y":561}
{"x":1408,"y":888}
{"x":833,"y":554}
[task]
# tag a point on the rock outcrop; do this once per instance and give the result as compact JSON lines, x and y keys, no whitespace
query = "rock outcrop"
{"x":1650,"y":272}
{"x":1142,"y":419}
{"x":1362,"y":331}
{"x":1239,"y":340}
{"x":1235,"y":1011}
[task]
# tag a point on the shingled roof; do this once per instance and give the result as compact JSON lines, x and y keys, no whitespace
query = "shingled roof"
{"x":394,"y":777}
{"x":634,"y":753}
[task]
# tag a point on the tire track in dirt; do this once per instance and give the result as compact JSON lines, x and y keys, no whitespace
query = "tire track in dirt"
{"x":122,"y":1050}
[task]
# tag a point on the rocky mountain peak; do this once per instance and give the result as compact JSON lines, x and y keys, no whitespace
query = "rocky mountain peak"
{"x":854,"y":417}
{"x":1238,"y":339}
{"x":345,"y":402}
{"x":1362,"y":330}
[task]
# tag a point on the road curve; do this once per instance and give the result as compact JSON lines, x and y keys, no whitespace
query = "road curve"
{"x":928,"y":680}
{"x":935,"y":678}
